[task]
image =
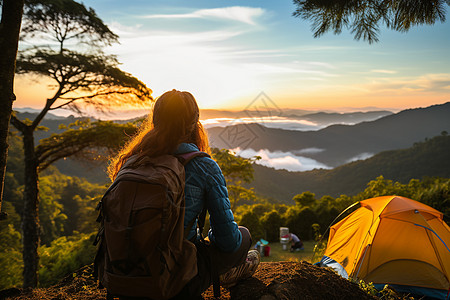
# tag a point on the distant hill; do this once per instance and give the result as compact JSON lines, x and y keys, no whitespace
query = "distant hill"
{"x":216,"y":113}
{"x":317,"y":117}
{"x":343,"y":118}
{"x":429,"y":158}
{"x":50,"y":121}
{"x":288,"y":119}
{"x":32,"y":113}
{"x":338,"y":144}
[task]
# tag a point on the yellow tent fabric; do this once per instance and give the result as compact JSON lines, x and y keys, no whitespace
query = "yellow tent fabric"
{"x":393,"y":240}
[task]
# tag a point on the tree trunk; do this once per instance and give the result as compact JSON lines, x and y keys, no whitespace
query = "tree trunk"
{"x":11,"y":19}
{"x":30,"y":218}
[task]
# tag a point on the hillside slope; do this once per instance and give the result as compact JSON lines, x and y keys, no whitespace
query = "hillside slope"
{"x":275,"y":280}
{"x":429,"y":158}
{"x":339,"y":144}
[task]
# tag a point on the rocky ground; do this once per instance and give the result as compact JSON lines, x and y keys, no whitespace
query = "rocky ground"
{"x":272,"y":280}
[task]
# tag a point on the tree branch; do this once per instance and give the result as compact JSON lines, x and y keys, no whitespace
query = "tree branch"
{"x":21,"y":126}
{"x":46,"y":108}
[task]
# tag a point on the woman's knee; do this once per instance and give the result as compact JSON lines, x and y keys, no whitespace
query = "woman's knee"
{"x":246,"y":236}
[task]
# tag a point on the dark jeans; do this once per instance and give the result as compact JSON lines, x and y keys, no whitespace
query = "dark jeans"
{"x":222,"y":261}
{"x":298,"y":245}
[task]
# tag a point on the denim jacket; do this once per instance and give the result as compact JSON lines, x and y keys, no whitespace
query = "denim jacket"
{"x":205,"y":185}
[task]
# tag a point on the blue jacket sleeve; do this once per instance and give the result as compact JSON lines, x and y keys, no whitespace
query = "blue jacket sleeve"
{"x":224,"y":231}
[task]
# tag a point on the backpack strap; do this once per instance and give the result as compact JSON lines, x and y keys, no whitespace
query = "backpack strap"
{"x":214,"y":270}
{"x":185,"y":158}
{"x":200,"y":224}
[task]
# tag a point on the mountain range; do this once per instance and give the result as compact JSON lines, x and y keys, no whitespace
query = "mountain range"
{"x":321,"y":117}
{"x":336,"y":145}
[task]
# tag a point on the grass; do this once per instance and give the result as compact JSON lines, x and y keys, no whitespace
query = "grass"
{"x":278,"y":254}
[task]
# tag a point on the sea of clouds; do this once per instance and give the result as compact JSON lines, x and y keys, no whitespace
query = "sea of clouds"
{"x":294,"y":160}
{"x":290,"y":161}
{"x":271,"y":122}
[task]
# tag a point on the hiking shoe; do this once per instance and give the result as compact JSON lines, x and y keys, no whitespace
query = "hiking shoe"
{"x":245,"y":270}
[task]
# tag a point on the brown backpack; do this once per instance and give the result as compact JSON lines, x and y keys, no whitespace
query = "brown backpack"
{"x":143,"y":250}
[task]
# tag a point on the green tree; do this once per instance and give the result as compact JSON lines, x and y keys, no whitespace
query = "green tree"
{"x":237,"y":170}
{"x":11,"y":18}
{"x":83,"y":74}
{"x":65,"y":255}
{"x":271,"y":223}
{"x":261,"y":208}
{"x":10,"y":250}
{"x":385,"y":187}
{"x":305,"y":199}
{"x":436,"y":194}
{"x":281,"y":208}
{"x":364,"y":17}
{"x":343,"y":201}
{"x":251,"y":221}
{"x":51,"y":216}
{"x":86,"y":140}
{"x":300,"y":221}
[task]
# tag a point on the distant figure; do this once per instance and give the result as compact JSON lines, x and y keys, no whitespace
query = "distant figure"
{"x":296,"y":243}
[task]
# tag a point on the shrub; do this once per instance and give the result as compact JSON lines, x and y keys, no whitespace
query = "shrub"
{"x":271,"y":223}
{"x":251,"y":221}
{"x":63,"y":256}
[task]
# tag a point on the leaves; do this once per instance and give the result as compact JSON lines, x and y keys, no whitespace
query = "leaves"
{"x":236,"y":171}
{"x":305,"y":199}
{"x":94,"y":142}
{"x":63,"y":256}
{"x":65,"y":20}
{"x":364,"y":17}
{"x":90,"y":78}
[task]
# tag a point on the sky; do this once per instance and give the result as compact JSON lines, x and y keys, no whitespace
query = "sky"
{"x":229,"y":53}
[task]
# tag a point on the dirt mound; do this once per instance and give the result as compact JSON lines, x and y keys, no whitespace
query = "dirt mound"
{"x":293,"y":280}
{"x":275,"y":280}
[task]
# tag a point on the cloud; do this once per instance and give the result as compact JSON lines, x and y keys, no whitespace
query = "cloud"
{"x":361,"y":156}
{"x":282,"y":160}
{"x":208,"y":63}
{"x":161,"y":38}
{"x":384,"y":71}
{"x":242,"y":14}
{"x":270,"y":122}
{"x":424,"y":83}
{"x":287,"y":68}
{"x":192,"y":61}
{"x":309,"y":151}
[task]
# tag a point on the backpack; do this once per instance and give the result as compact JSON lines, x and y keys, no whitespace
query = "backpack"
{"x":142,"y":246}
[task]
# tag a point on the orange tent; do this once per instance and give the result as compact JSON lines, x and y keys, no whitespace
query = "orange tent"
{"x":397,"y":241}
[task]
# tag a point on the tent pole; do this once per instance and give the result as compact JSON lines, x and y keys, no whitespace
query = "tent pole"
{"x":331,"y":224}
{"x":362,"y":260}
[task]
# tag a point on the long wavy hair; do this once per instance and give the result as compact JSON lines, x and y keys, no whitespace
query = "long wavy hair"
{"x":175,"y":120}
